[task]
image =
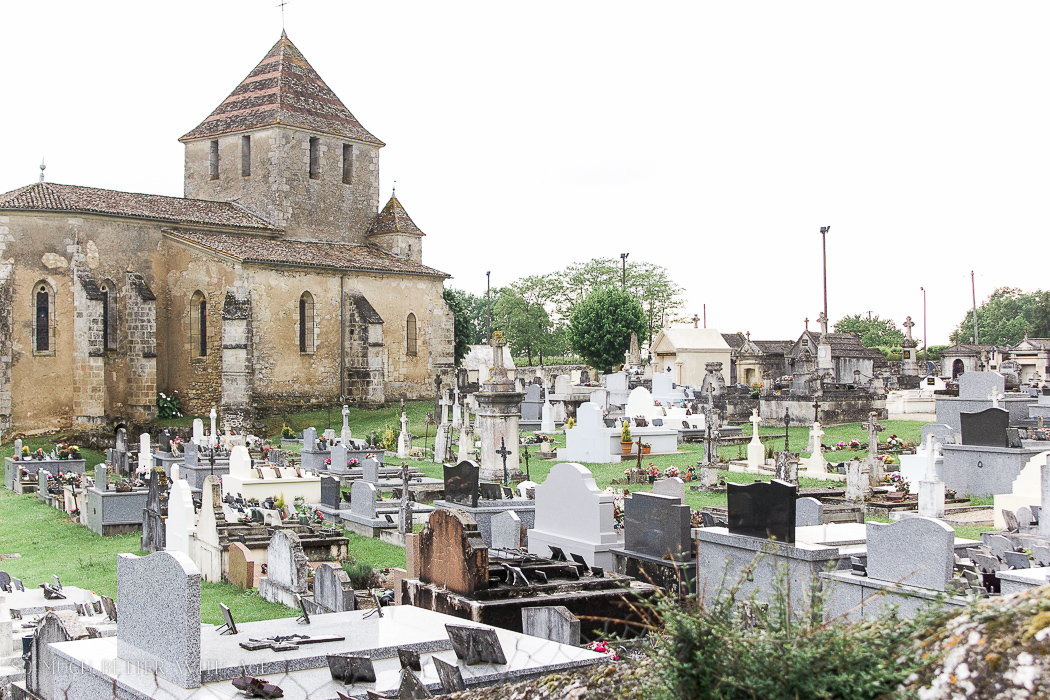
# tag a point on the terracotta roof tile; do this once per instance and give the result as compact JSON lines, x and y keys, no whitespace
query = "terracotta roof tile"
{"x":393,"y":219}
{"x":325,"y":254}
{"x":50,"y":196}
{"x":283,"y":89}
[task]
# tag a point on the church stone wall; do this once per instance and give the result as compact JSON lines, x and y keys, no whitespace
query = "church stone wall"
{"x":197,"y":379}
{"x":280,"y":187}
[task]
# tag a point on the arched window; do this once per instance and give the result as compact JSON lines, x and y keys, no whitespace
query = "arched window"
{"x":43,"y":336}
{"x":306,"y":323}
{"x":198,"y":325}
{"x":410,"y":335}
{"x":109,"y":317}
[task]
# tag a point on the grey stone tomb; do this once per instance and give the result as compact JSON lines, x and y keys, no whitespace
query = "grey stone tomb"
{"x":808,"y":511}
{"x":657,"y":526}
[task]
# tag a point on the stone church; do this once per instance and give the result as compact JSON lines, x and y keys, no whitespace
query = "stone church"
{"x":275,"y":284}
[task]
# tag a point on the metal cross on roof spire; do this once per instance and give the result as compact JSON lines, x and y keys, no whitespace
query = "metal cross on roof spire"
{"x":42,"y":168}
{"x":281,"y":5}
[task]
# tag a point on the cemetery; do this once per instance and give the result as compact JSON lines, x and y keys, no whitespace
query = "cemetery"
{"x":567,"y":543}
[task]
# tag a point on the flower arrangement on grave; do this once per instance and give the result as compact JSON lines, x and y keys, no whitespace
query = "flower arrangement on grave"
{"x":899,"y":482}
{"x":888,"y":459}
{"x":690,"y":473}
{"x":299,"y":503}
{"x":618,"y":515}
{"x":756,"y":389}
{"x":895,"y":443}
{"x":287,"y":433}
{"x":253,"y":502}
{"x":24,"y":472}
{"x":671,"y":472}
{"x":353,"y":462}
{"x":854,"y":445}
{"x":840,"y":445}
{"x":322,"y":444}
{"x":370,"y":455}
{"x":571,"y":423}
{"x":39,"y":454}
{"x":25,"y":452}
{"x":602,"y":648}
{"x":328,"y":462}
{"x":63,"y":451}
{"x":318,"y":515}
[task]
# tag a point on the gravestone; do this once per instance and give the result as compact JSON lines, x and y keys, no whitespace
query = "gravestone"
{"x":980,"y":385}
{"x":370,"y":470}
{"x":915,"y":551}
{"x":159,"y":615}
{"x":490,"y":491}
{"x":102,"y":476}
{"x":672,"y":486}
{"x":450,"y":553}
{"x":145,"y":456}
{"x":574,"y":514}
{"x":153,"y":535}
{"x":531,"y":406}
{"x":808,"y":511}
{"x":56,"y":626}
{"x":657,"y":526}
{"x":338,"y":464}
{"x":931,"y":489}
{"x":554,"y":623}
{"x":287,"y":569}
{"x":462,"y":483}
{"x":506,"y":530}
{"x":762,"y":509}
{"x":985,"y":428}
{"x":856,"y":484}
{"x":756,"y":451}
{"x":344,"y":434}
{"x":332,"y":589}
{"x":310,"y":439}
{"x":198,"y":432}
{"x":330,"y":492}
{"x":180,"y":523}
{"x":546,"y":416}
{"x":944,"y":433}
{"x":241,"y":567}
{"x":363,"y":499}
{"x":787,"y":467}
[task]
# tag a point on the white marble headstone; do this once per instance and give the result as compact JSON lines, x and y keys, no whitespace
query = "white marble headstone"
{"x":240,"y":463}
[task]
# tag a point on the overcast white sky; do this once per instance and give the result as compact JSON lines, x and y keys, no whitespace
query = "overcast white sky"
{"x":712,"y":139}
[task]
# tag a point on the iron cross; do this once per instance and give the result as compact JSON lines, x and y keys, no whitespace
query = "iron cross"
{"x":816,"y":410}
{"x":504,"y":453}
{"x":787,"y":422}
{"x":525,"y":455}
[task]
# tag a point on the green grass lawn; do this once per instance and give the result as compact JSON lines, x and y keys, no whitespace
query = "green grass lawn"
{"x":50,"y":544}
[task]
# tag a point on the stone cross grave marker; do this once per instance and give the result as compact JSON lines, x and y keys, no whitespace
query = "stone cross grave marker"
{"x":756,"y":451}
{"x":404,"y":512}
{"x":344,"y":434}
{"x":875,"y":472}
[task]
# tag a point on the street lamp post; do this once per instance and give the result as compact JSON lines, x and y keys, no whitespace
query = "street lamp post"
{"x":824,"y":250}
{"x":623,"y":258}
{"x":488,"y":302}
{"x":925,"y":344}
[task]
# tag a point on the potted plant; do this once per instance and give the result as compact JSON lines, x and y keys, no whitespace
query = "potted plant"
{"x":625,"y":438}
{"x":646,"y":448}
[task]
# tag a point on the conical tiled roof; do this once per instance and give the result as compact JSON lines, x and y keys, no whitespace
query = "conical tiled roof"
{"x":393,"y":219}
{"x":283,"y":89}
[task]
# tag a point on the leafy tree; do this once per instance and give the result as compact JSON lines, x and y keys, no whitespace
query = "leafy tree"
{"x":525,"y":324}
{"x":873,"y":332}
{"x":1005,"y":317}
{"x":561,"y":291}
{"x":463,"y":330}
{"x":476,"y":310}
{"x":601,"y":325}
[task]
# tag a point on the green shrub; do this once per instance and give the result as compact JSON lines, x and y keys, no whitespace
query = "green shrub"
{"x":625,"y":432}
{"x":168,"y":406}
{"x":287,"y":433}
{"x":736,"y":649}
{"x":361,"y":576}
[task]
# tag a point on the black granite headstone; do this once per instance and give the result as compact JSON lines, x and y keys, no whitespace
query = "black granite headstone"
{"x":763,"y":509}
{"x":5,"y":581}
{"x":330,"y":494}
{"x":491,"y":492}
{"x":657,"y":526}
{"x":461,"y":483}
{"x":985,"y":428}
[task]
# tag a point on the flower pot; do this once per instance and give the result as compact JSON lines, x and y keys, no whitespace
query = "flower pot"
{"x":626,"y":447}
{"x":646,"y":450}
{"x":652,"y":479}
